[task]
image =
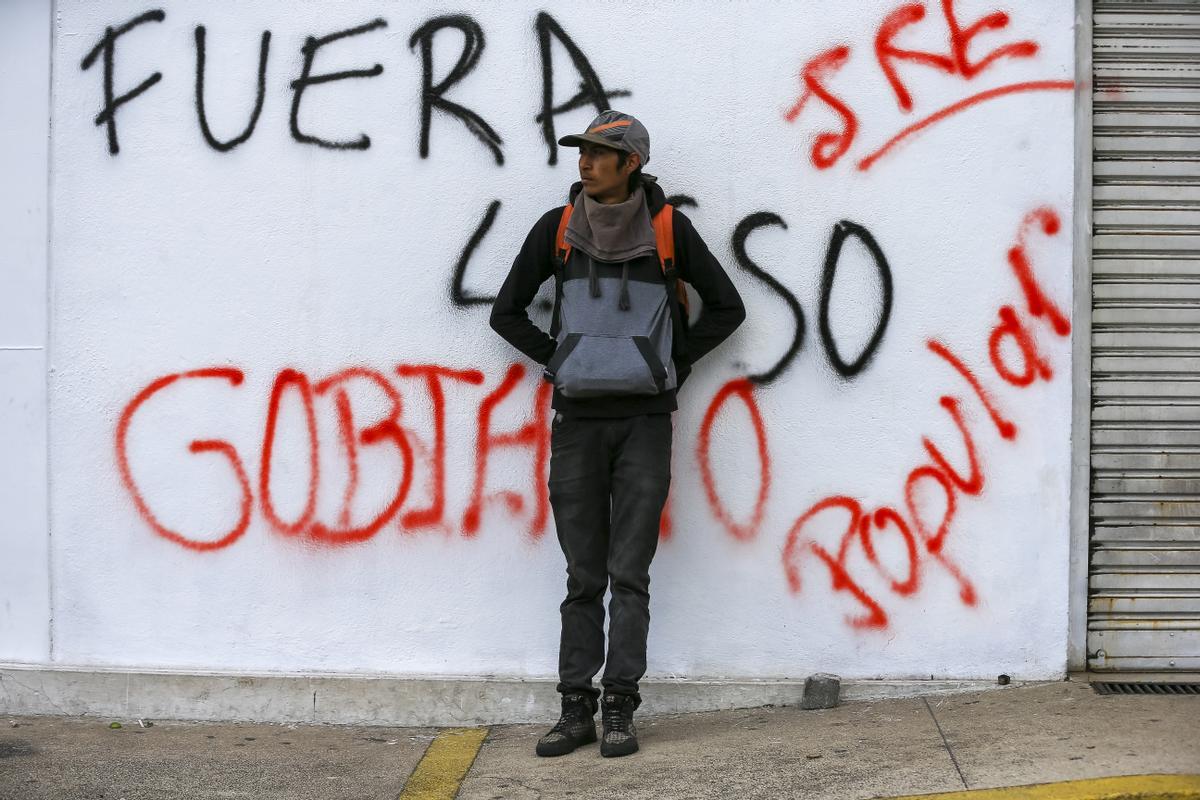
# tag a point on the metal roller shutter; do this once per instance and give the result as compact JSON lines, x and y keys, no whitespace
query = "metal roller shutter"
{"x":1144,"y":571}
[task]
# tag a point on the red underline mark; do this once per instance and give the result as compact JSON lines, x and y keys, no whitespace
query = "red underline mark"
{"x":962,"y":105}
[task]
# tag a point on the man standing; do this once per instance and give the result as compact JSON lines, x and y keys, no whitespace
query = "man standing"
{"x":619,"y":347}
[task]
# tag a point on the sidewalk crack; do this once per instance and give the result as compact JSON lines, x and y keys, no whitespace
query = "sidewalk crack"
{"x":945,"y":743}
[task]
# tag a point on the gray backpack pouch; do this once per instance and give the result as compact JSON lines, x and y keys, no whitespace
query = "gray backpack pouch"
{"x":604,"y":349}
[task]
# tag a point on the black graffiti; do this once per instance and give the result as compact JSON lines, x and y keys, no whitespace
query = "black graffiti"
{"x":458,"y":295}
{"x":682,"y":201}
{"x":306,"y":79}
{"x":107,"y":46}
{"x":841,"y":231}
{"x":214,"y":142}
{"x":591,"y":91}
{"x":741,"y":233}
{"x":432,"y":95}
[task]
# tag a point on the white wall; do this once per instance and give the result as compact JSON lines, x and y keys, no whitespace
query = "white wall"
{"x":24,"y":148}
{"x":171,"y":257}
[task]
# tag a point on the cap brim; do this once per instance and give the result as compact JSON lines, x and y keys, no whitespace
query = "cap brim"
{"x":577,"y":139}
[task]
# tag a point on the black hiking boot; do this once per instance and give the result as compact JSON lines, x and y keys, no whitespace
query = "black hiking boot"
{"x":574,"y":728}
{"x":620,"y":734}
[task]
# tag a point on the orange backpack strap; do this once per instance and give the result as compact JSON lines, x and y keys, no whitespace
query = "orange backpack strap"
{"x":664,"y":236}
{"x":561,"y":249}
{"x":664,"y":241}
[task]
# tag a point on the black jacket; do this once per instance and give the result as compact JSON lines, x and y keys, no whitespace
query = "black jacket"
{"x":721,"y":313}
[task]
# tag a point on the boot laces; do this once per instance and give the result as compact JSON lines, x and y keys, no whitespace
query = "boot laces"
{"x":572,"y":714}
{"x":614,"y":718}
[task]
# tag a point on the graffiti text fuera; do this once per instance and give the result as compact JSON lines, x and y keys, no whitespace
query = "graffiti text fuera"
{"x":435,"y":91}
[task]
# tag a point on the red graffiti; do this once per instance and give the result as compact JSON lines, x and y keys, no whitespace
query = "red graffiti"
{"x":934,"y":542}
{"x":831,"y":146}
{"x":960,"y":41}
{"x":880,"y":519}
{"x":973,"y":483}
{"x":390,"y":431}
{"x":956,"y":62}
{"x":346,"y":429}
{"x":886,"y":52}
{"x":1039,"y":304}
{"x":862,"y":529}
{"x":287,"y":378}
{"x":1006,"y":428}
{"x":961,"y":105}
{"x":923,"y":537}
{"x":841,"y":580}
{"x":433,"y":376}
{"x":387,"y":431}
{"x":534,"y":434}
{"x":742,"y":389}
{"x":936,"y":538}
{"x":221,"y":446}
{"x":1010,"y":327}
{"x":665,"y":523}
{"x":923,"y":528}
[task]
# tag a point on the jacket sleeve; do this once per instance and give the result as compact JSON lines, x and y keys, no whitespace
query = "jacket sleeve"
{"x":532,"y":266}
{"x":722,"y":309}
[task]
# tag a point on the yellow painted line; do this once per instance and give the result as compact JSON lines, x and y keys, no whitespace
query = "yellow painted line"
{"x":444,"y":765}
{"x":1125,"y":787}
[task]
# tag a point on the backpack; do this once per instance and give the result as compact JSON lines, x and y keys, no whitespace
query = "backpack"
{"x":611,"y":348}
{"x":664,"y":241}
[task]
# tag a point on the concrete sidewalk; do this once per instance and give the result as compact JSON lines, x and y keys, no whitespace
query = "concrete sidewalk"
{"x":1004,"y":737}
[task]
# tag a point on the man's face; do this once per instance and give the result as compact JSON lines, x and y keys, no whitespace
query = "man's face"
{"x":602,"y":179}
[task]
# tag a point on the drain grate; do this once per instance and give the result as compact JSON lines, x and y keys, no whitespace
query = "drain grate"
{"x":1145,"y":688}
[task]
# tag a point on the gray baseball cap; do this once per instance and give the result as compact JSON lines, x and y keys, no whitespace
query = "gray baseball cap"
{"x":616,"y":130}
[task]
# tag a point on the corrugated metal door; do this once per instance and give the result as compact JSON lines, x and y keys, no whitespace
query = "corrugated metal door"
{"x":1144,"y":573}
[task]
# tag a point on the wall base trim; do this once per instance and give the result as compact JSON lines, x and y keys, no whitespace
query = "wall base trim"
{"x":355,"y":699}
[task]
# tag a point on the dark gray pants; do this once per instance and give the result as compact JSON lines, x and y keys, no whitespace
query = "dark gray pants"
{"x":608,"y":484}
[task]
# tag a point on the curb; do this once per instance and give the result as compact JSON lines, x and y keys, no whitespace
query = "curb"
{"x":1125,"y":787}
{"x":380,"y":699}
